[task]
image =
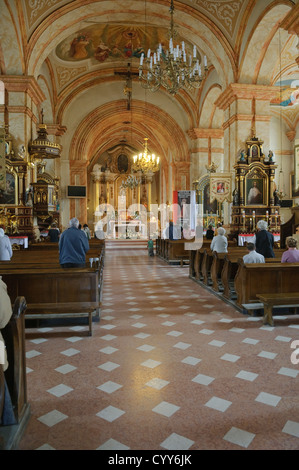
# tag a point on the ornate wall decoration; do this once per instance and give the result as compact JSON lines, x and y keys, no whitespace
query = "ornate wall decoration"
{"x":36,"y":10}
{"x":227,"y":12}
{"x":65,"y":75}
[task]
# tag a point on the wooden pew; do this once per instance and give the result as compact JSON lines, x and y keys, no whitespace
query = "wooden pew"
{"x":230,"y":268}
{"x":55,"y":292}
{"x":173,"y":251}
{"x":265,"y":278}
{"x":15,"y":376}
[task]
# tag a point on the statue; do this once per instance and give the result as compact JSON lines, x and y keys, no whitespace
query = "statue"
{"x":276,"y":198}
{"x":235,"y":197}
{"x":271,"y":156}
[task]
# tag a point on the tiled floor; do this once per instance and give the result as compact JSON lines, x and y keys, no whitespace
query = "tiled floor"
{"x":168,"y":367}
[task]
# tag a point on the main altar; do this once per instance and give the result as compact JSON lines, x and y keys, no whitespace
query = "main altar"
{"x":255,"y":196}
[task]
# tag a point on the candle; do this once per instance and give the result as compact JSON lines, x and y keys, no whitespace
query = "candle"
{"x":194,"y":51}
{"x":205,"y":61}
{"x":253,"y":213}
{"x":141,"y":59}
{"x":148,"y":53}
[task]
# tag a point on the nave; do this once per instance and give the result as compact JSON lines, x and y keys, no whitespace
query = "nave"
{"x":169,"y":367}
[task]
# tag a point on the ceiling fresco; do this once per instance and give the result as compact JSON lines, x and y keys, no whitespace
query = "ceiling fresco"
{"x":104,"y":42}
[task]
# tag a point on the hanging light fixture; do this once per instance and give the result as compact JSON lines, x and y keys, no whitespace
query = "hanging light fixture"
{"x":173,"y":69}
{"x":145,"y":162}
{"x":131,"y":182}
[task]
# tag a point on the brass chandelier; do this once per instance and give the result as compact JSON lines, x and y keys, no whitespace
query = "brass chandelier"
{"x":131,"y":182}
{"x":171,"y":69}
{"x":146,"y":162}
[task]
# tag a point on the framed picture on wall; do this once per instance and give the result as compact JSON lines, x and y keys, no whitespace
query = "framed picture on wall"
{"x":294,"y":191}
{"x":9,"y":194}
{"x":255,"y":191}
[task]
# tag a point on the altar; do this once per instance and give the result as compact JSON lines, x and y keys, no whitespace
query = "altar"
{"x":250,"y":238}
{"x":19,"y":240}
{"x":127,"y":229}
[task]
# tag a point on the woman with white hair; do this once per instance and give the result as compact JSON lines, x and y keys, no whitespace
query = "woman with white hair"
{"x":219,"y":242}
{"x":264,"y":240}
{"x":5,"y":247}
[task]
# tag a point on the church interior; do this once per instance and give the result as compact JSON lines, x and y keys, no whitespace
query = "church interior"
{"x":118,"y":113}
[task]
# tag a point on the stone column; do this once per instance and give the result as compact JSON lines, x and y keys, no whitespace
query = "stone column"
{"x":149,"y":178}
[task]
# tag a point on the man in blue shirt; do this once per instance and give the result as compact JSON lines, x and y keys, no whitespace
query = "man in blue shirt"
{"x":73,"y":246}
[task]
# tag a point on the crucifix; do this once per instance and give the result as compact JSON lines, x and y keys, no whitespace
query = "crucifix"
{"x":129,"y":74}
{"x":128,"y":84}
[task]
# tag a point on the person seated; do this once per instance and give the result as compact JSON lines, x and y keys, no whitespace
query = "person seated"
{"x":73,"y":246}
{"x":292,"y":254}
{"x":7,"y":416}
{"x":54,"y":233}
{"x":210,"y":233}
{"x":253,"y":256}
{"x":5,"y":247}
{"x":219,"y":242}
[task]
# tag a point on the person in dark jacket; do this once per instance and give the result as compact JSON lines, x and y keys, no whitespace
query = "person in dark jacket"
{"x":54,"y":233}
{"x":210,"y":233}
{"x":264,"y":240}
{"x":73,"y":246}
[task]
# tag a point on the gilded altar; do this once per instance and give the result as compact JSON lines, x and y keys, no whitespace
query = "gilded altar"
{"x":255,"y":196}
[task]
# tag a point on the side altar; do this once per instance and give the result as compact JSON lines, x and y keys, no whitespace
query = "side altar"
{"x":255,"y":196}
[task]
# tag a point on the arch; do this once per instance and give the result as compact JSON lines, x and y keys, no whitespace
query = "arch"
{"x":102,"y":129}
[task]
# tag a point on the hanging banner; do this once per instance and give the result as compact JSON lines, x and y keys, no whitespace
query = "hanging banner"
{"x":2,"y":160}
{"x":220,"y":187}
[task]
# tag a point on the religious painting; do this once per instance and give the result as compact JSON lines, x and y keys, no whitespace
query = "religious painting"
{"x":8,"y":195}
{"x":294,"y":191}
{"x":254,"y":191}
{"x":287,"y":93}
{"x":122,"y":163}
{"x":220,"y":187}
{"x":209,"y":207}
{"x":102,"y":42}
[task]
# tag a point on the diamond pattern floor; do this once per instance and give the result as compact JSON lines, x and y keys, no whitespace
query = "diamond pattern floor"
{"x":169,"y":367}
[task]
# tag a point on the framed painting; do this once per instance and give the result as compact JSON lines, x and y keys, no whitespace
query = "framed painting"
{"x":255,"y":191}
{"x":294,"y":191}
{"x":9,"y":194}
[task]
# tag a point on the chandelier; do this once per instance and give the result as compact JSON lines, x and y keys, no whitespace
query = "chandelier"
{"x":131,"y":182}
{"x":144,"y":161}
{"x":172,"y":69}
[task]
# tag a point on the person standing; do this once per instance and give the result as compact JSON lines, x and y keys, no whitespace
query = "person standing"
{"x":264,"y":240}
{"x":5,"y":247}
{"x":73,"y":246}
{"x":292,"y":254}
{"x":210,"y":233}
{"x":219,"y":242}
{"x":253,"y":256}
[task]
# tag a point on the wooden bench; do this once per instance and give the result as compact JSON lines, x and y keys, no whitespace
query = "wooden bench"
{"x":15,"y":376}
{"x":55,"y":292}
{"x":269,"y":301}
{"x":265,"y":278}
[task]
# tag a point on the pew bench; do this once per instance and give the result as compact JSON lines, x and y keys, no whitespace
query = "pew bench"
{"x":54,"y":292}
{"x":272,"y":277}
{"x":269,"y":301}
{"x":15,"y":377}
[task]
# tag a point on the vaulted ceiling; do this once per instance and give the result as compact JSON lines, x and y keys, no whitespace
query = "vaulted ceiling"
{"x":79,"y":51}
